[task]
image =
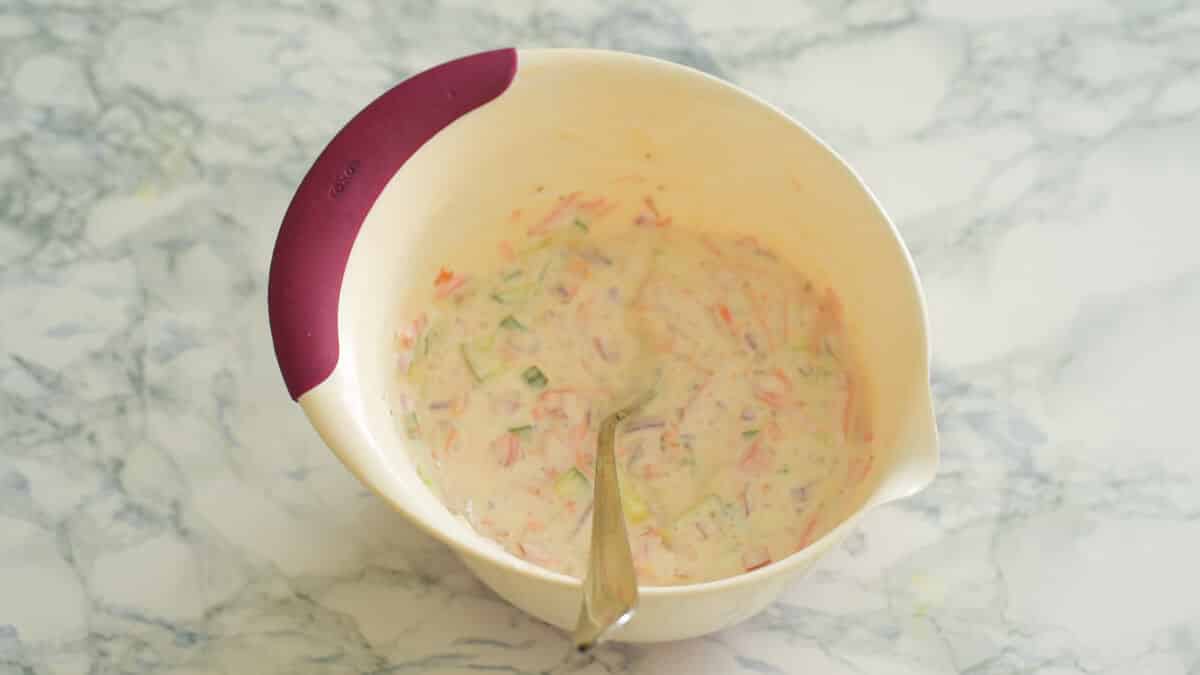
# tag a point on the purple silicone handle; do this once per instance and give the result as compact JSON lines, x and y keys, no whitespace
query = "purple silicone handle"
{"x":333,"y":199}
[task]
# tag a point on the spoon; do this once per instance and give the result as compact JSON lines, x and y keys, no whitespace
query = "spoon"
{"x":610,"y":592}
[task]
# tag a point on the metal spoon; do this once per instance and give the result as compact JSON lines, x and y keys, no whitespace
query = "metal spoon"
{"x":610,"y":591}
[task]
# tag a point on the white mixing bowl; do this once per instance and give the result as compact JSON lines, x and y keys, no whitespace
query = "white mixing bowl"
{"x":429,"y":175}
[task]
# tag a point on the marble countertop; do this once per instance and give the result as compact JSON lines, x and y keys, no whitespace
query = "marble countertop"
{"x":164,"y":508}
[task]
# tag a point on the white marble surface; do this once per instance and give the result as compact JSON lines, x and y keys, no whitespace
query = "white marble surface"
{"x":165,"y":508}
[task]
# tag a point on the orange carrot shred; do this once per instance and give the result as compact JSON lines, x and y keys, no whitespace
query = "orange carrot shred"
{"x":506,"y":250}
{"x":809,"y":529}
{"x":726,"y":315}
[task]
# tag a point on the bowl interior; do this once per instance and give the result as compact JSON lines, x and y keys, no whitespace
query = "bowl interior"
{"x":623,"y":126}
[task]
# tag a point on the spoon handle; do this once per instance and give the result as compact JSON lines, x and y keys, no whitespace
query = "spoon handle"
{"x":610,"y":590}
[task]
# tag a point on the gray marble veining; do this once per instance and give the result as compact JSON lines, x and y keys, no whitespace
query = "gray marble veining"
{"x":164,"y":508}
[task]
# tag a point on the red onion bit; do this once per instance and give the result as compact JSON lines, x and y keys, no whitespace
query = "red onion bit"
{"x":644,"y":423}
{"x":605,"y":351}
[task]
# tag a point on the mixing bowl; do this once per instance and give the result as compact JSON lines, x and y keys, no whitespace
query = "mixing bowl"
{"x":441,"y":168}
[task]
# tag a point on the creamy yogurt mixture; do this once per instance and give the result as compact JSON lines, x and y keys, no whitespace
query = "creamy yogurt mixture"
{"x":754,"y":431}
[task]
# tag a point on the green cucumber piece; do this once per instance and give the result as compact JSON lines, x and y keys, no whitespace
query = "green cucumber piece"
{"x":523,"y":432}
{"x":632,"y":503}
{"x":482,"y":359}
{"x":514,"y":294}
{"x":510,"y":322}
{"x":412,"y":428}
{"x":573,"y":485}
{"x":534,"y":377}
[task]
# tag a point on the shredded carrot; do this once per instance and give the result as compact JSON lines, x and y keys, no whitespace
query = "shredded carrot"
{"x":512,"y":449}
{"x":726,"y":316}
{"x":443,"y":277}
{"x":758,"y":558}
{"x":771,"y":398}
{"x":579,"y":267}
{"x":755,"y":458}
{"x":446,"y":289}
{"x":593,"y":204}
{"x":671,"y":435}
{"x":864,"y":468}
{"x":506,"y":251}
{"x":580,"y":431}
{"x":833,"y":305}
{"x":515,"y":215}
{"x":712,"y":248}
{"x":536,"y":554}
{"x":650,"y":471}
{"x":809,"y":529}
{"x":450,"y":438}
{"x":585,"y":461}
{"x":666,"y":345}
{"x":783,"y":377}
{"x":559,"y":209}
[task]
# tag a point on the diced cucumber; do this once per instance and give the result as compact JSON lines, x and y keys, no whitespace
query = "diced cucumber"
{"x":513,"y":295}
{"x":632,"y":503}
{"x":523,"y":432}
{"x":534,"y":377}
{"x":510,"y":323}
{"x":412,"y":428}
{"x":750,"y":433}
{"x":573,"y":485}
{"x":582,"y":226}
{"x":482,"y":359}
